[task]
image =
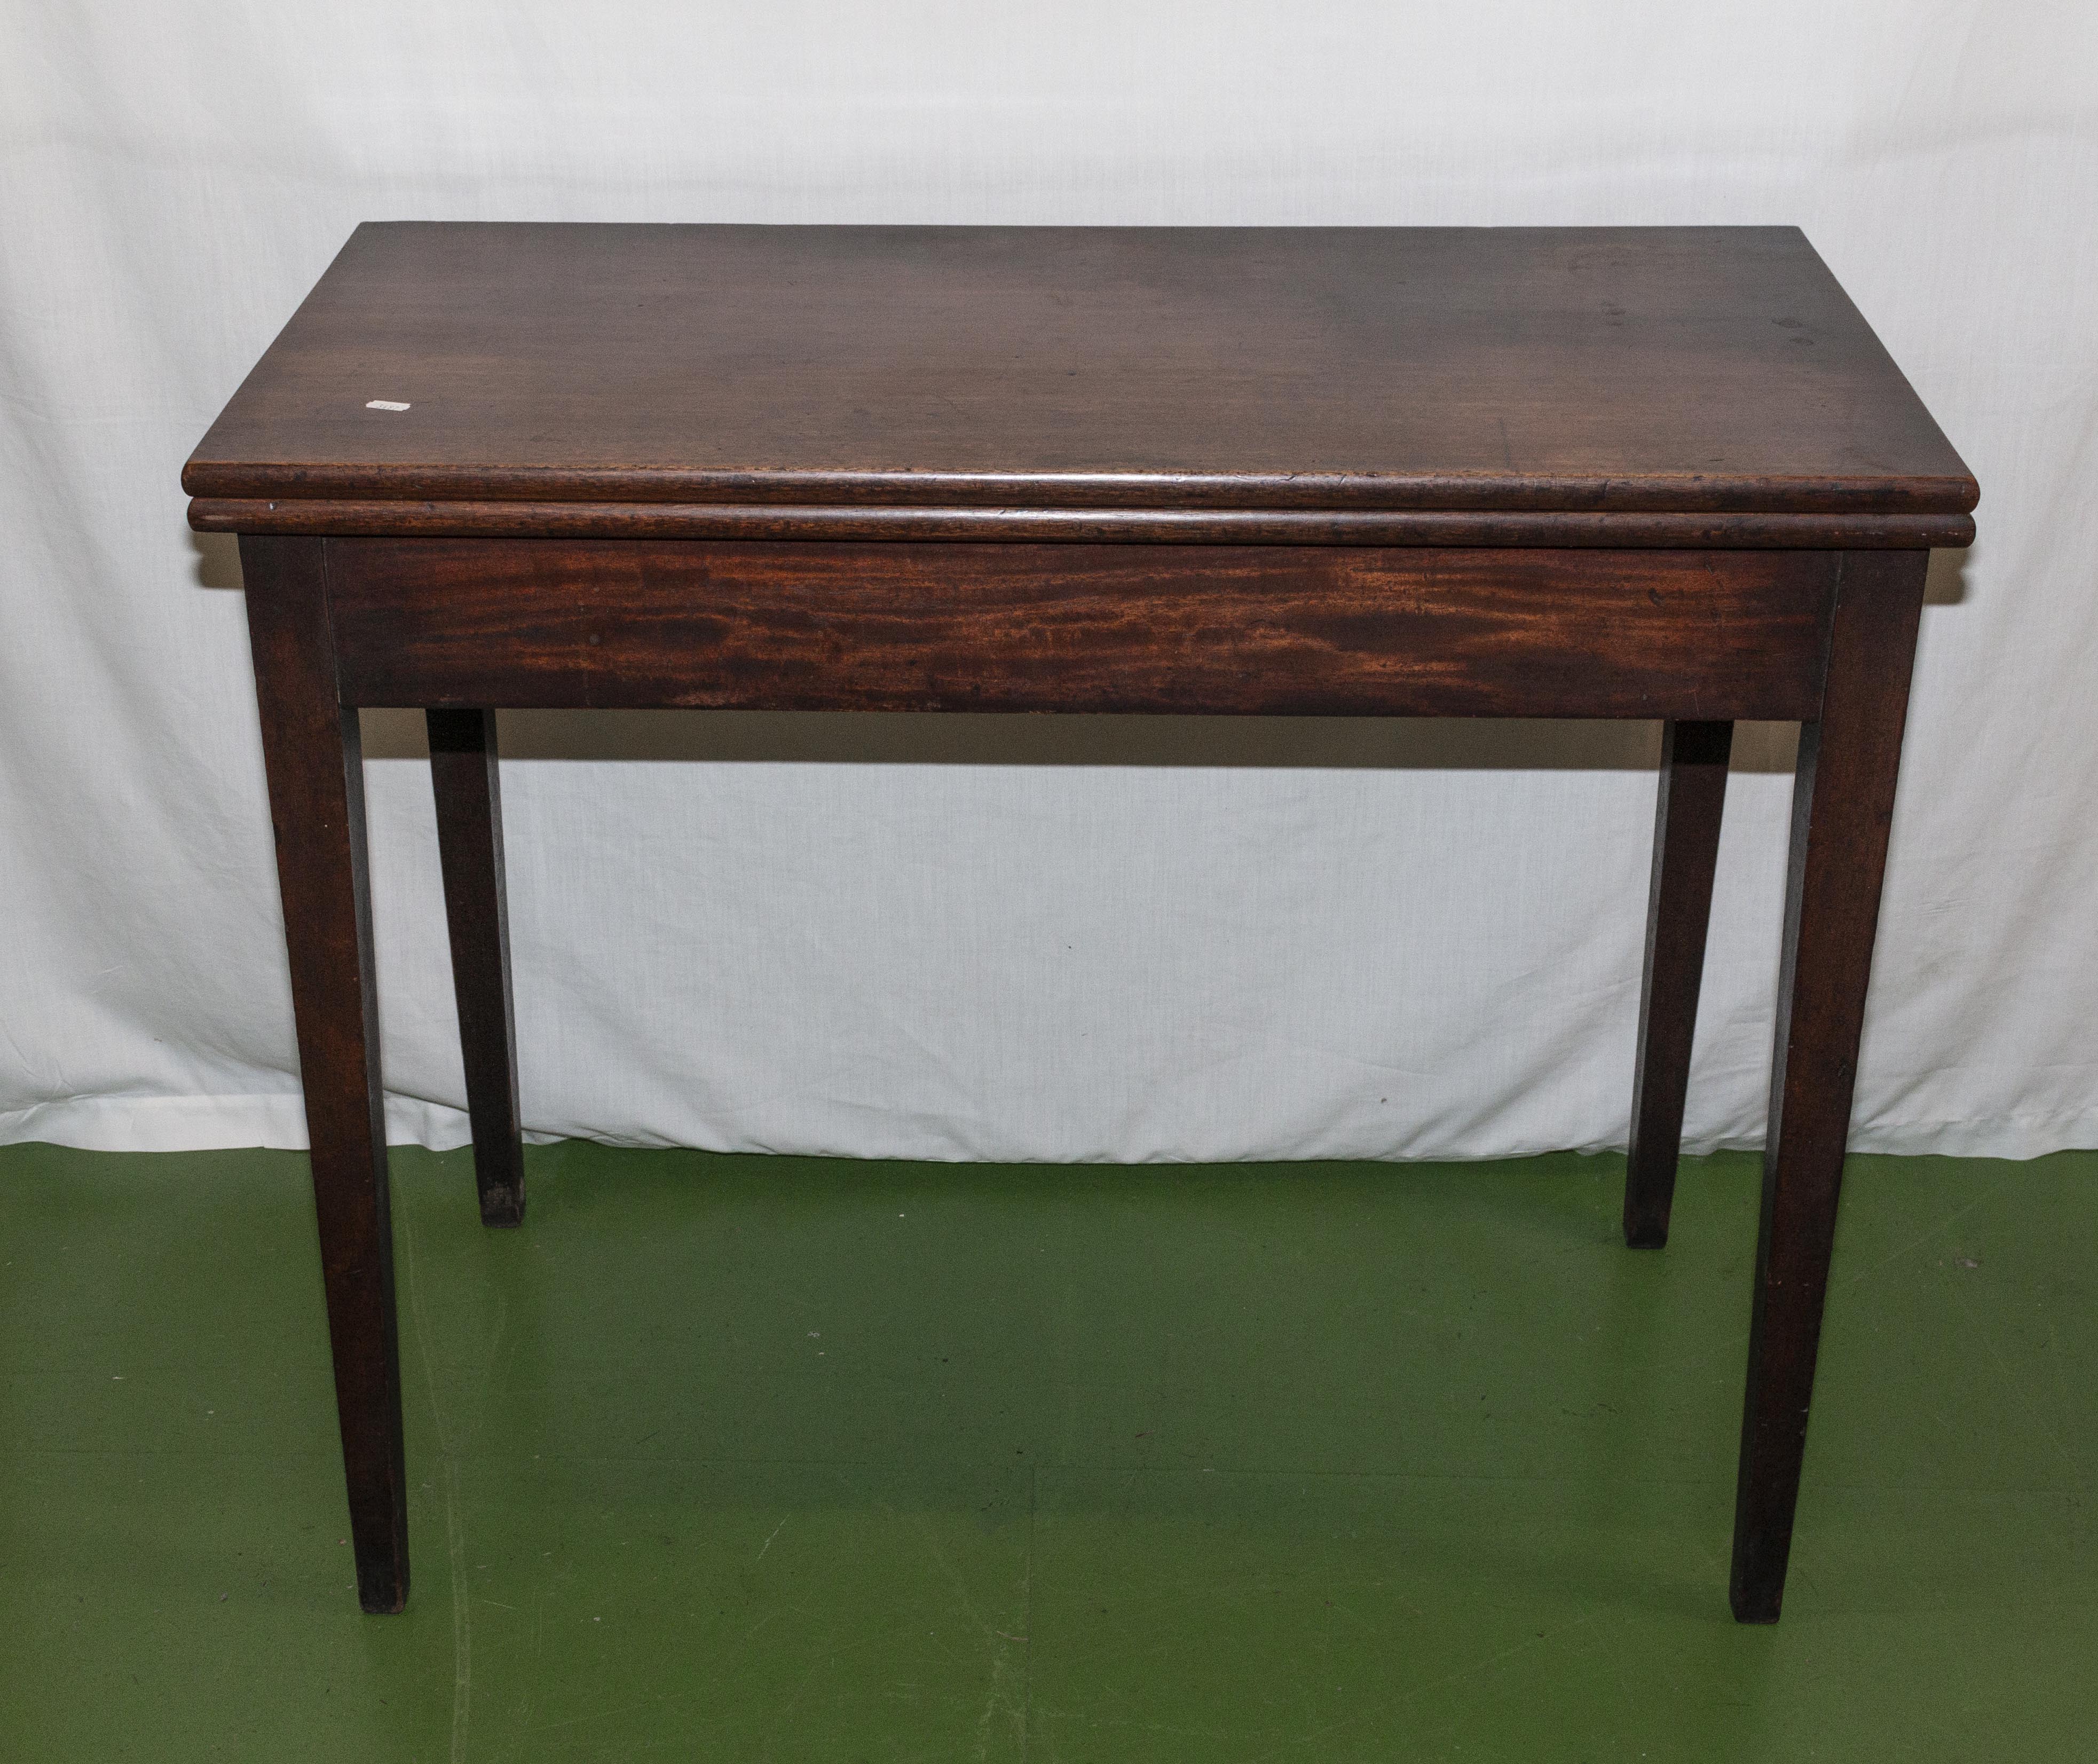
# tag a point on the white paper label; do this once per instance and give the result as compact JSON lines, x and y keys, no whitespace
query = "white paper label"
{"x":383,"y":404}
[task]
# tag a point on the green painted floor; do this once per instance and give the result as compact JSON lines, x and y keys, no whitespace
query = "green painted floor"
{"x":736,"y":1458}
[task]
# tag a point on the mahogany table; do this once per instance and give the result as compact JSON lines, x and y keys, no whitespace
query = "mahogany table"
{"x":1665,"y":473}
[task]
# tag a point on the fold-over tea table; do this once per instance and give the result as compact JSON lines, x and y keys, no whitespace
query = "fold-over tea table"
{"x":1663,"y":473}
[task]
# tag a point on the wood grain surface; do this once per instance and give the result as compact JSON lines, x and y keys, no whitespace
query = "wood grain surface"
{"x":468,"y":784}
{"x":1254,"y":631}
{"x":1842,"y":814}
{"x":1701,"y":371}
{"x":315,"y":765}
{"x":1687,"y":810}
{"x":1119,"y":526}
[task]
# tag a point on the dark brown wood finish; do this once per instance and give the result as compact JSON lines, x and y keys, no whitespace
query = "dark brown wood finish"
{"x":1259,"y":631}
{"x":1679,"y":369}
{"x":1081,"y":526}
{"x":464,"y":771}
{"x":1843,"y":800}
{"x":315,"y":764}
{"x":1686,"y":852}
{"x":1578,"y":472}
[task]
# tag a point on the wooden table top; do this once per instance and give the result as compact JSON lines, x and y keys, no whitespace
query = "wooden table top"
{"x":993,"y":381}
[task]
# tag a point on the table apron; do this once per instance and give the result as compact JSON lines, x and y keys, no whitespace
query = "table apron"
{"x":1158,"y":629}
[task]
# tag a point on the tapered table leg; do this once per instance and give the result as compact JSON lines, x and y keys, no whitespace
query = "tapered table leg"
{"x":462,"y":767}
{"x":315,"y":766}
{"x":1843,"y":801}
{"x":1686,"y":850}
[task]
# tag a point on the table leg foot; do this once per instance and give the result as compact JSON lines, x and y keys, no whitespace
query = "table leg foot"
{"x":316,"y":773}
{"x":464,"y":772}
{"x":1687,"y":807}
{"x":1843,"y":799}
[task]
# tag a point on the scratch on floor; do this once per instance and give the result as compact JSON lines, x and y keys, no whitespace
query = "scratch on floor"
{"x":1915,"y":1244}
{"x":531,"y":1673}
{"x":1009,"y":1687}
{"x":1007,"y":1696}
{"x":462,"y":1612}
{"x":2020,"y":1388}
{"x":767,"y":1543}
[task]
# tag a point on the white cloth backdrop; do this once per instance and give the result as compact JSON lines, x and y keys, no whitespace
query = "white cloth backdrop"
{"x":990,"y":939}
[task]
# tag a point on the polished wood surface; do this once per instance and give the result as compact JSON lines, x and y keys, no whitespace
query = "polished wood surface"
{"x":466,"y":778}
{"x":1615,"y":472}
{"x":1687,"y":811}
{"x":1842,"y":811}
{"x":312,"y":753}
{"x":1503,"y":529}
{"x":990,"y":375}
{"x":540,"y":623}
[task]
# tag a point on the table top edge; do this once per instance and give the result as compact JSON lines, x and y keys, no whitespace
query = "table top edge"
{"x":1161,"y":493}
{"x":1537,"y":528}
